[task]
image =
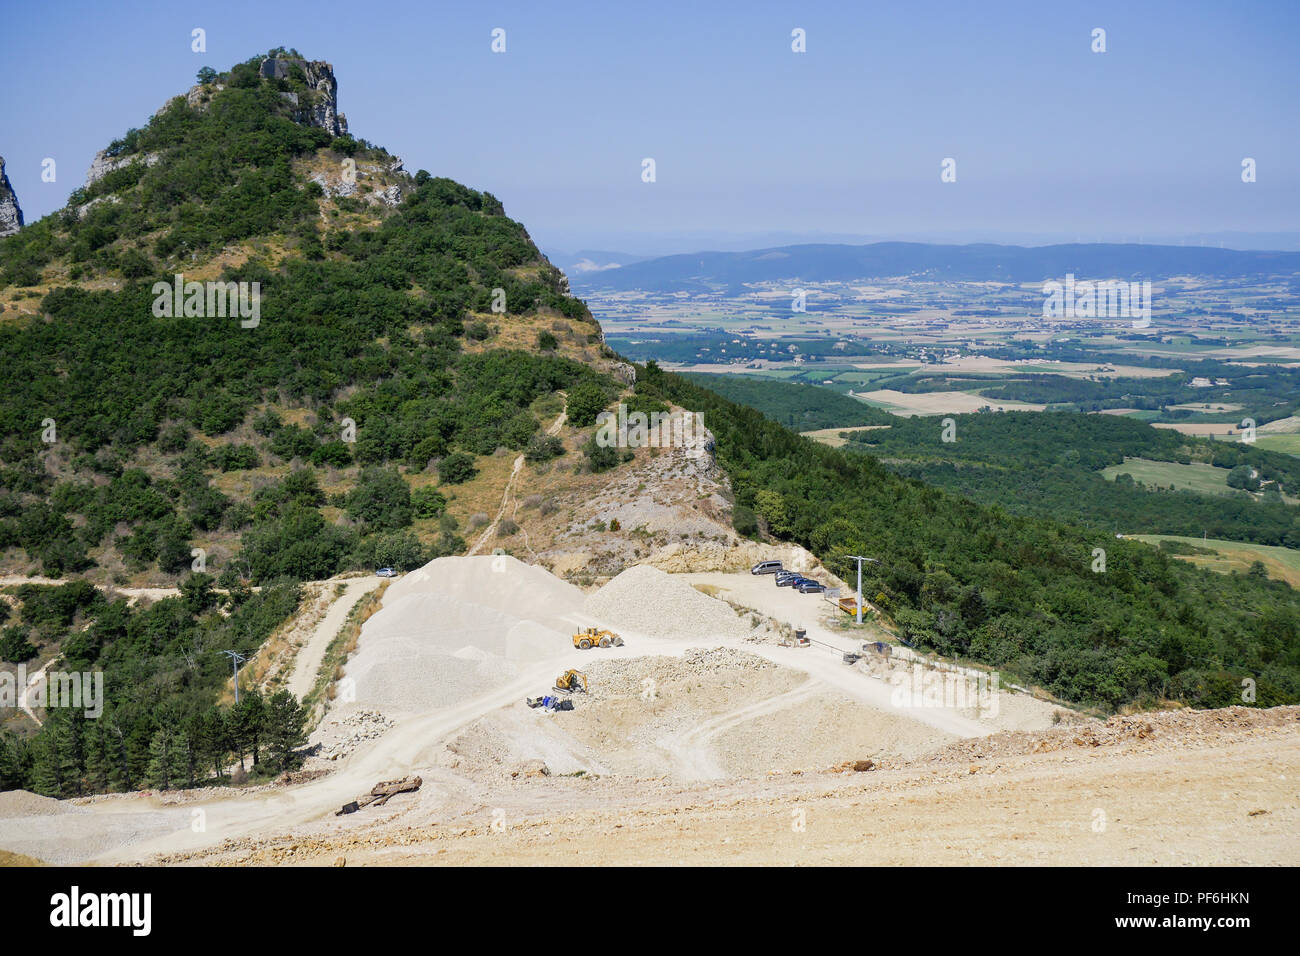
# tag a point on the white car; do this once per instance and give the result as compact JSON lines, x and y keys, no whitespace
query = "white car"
{"x":386,"y":573}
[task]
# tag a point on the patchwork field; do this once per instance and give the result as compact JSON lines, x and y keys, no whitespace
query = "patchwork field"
{"x":938,"y":403}
{"x":1281,"y":563}
{"x":1200,"y":428}
{"x":1290,"y":444}
{"x":1205,"y":479}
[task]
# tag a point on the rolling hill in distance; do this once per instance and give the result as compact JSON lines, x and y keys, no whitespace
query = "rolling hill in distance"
{"x":975,"y":262}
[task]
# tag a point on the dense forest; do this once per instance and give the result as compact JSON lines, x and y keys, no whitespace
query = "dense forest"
{"x":1047,"y":464}
{"x":1015,"y":592}
{"x":163,"y":670}
{"x":797,"y":407}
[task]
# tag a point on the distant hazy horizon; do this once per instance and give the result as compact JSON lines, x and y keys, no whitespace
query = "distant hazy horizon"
{"x":651,"y":245}
{"x":754,"y":144}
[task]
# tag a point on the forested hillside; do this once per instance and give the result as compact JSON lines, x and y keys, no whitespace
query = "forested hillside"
{"x":371,"y":316}
{"x":1016,"y":592}
{"x":1048,"y":464}
{"x":797,"y":407}
{"x":407,"y":326}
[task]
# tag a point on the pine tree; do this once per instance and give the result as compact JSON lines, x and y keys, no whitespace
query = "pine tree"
{"x":214,"y":740}
{"x":166,"y":759}
{"x":136,"y":753}
{"x":285,"y":725}
{"x":70,"y":744}
{"x":99,"y":759}
{"x":11,"y":768}
{"x":248,"y":719}
{"x":187,"y":760}
{"x":119,"y":774}
{"x":46,"y":779}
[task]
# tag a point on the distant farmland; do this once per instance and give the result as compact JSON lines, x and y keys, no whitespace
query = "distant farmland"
{"x":1229,"y":556}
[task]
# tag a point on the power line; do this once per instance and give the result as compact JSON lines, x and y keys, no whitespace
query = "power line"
{"x":858,"y":558}
{"x":236,"y":659}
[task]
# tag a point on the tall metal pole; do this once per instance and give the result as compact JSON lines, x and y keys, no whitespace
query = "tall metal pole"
{"x":859,"y":602}
{"x":858,"y":558}
{"x":236,"y":659}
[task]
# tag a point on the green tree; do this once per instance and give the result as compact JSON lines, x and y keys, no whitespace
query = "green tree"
{"x":428,"y":502}
{"x":381,"y":501}
{"x":586,"y":400}
{"x":285,"y":729}
{"x":14,"y":645}
{"x":248,"y":719}
{"x":456,"y":468}
{"x":166,"y":759}
{"x":198,"y":594}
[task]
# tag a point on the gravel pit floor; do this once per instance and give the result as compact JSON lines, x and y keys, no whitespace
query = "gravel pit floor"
{"x":707,"y":715}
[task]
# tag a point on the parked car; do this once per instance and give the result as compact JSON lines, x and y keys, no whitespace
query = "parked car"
{"x":810,"y":587}
{"x":784,"y":581}
{"x":766,"y":567}
{"x":386,"y":573}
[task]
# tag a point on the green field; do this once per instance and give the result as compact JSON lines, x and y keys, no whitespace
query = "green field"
{"x":1282,"y":563}
{"x":1205,"y":479}
{"x":1284,"y":443}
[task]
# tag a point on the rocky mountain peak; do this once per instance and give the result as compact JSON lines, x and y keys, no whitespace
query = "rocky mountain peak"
{"x":11,"y":214}
{"x":323,"y":111}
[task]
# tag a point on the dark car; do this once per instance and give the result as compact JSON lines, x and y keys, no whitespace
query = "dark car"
{"x":785,"y":580}
{"x":810,"y":587}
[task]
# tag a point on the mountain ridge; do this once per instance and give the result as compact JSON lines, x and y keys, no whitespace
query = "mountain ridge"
{"x":825,"y":262}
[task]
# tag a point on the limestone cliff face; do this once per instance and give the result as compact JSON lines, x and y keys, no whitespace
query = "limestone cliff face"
{"x":11,"y":214}
{"x":323,"y":111}
{"x":103,"y":164}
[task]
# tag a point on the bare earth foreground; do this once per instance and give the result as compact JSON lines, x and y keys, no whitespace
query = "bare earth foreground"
{"x":705,"y":739}
{"x":1183,"y":788}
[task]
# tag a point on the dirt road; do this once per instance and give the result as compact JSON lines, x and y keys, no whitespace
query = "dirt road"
{"x":312,"y":653}
{"x":507,"y":495}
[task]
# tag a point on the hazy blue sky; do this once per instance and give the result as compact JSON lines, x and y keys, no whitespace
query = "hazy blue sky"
{"x":750,"y":138}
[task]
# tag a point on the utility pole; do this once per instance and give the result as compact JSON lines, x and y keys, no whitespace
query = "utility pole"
{"x":860,"y":559}
{"x":236,"y":659}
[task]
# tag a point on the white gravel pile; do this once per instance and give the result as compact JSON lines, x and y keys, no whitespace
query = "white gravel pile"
{"x":649,"y":602}
{"x":626,"y":677}
{"x":458,"y":628}
{"x":24,"y":803}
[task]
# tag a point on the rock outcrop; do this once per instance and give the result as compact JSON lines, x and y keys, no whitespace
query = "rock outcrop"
{"x":11,"y":214}
{"x":323,"y":111}
{"x":103,"y":164}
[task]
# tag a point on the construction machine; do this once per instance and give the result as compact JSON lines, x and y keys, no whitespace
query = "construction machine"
{"x":590,"y":637}
{"x":571,"y":681}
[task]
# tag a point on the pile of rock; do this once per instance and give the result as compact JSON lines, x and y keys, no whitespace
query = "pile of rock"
{"x":637,"y":676}
{"x":354,"y":729}
{"x":649,"y":602}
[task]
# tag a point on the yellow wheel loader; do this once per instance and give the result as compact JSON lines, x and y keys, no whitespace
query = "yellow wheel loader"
{"x":590,"y":637}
